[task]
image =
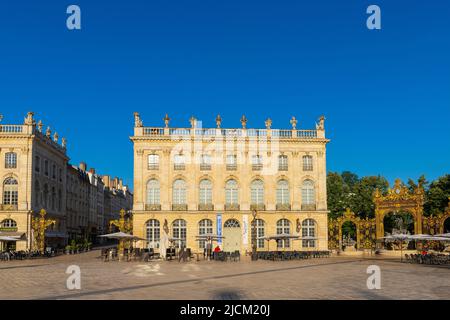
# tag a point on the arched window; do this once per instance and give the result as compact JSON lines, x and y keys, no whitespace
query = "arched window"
{"x":307,"y":163}
{"x":260,"y":232}
{"x":10,"y":191}
{"x":231,"y":192}
{"x":257,"y":192}
{"x":153,"y":233}
{"x":153,"y":192}
{"x":283,"y":192}
{"x":205,"y":192}
{"x":179,"y":232}
{"x":231,"y":223}
{"x":309,"y":230}
{"x":179,"y":192}
{"x":8,"y":223}
{"x":37,"y":194}
{"x":308,"y":194}
{"x":283,"y":227}
{"x":205,"y":226}
{"x":10,"y":160}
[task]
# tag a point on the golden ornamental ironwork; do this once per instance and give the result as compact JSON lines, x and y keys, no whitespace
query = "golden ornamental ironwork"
{"x":124,"y":225}
{"x":39,"y":225}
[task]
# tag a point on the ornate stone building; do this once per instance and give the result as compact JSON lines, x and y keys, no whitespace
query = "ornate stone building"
{"x":195,"y":181}
{"x":35,"y":174}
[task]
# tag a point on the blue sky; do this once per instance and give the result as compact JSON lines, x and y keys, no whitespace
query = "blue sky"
{"x":386,"y":93}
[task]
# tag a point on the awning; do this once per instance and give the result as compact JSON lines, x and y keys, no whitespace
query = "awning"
{"x":55,"y":234}
{"x":12,"y":234}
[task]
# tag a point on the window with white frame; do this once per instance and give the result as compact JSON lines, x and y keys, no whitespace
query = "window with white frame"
{"x":179,"y":232}
{"x":179,"y":192}
{"x":179,"y":162}
{"x":308,"y":193}
{"x":231,"y":162}
{"x":309,"y":231}
{"x":205,"y":192}
{"x":153,"y":161}
{"x":307,"y":163}
{"x":283,"y":227}
{"x":282,"y":163}
{"x":205,"y":162}
{"x":257,"y":162}
{"x":231,"y":192}
{"x":258,"y":225}
{"x":10,"y":191}
{"x":283,"y":192}
{"x":153,"y":192}
{"x":257,"y":192}
{"x":153,"y":233}
{"x":205,"y":227}
{"x":8,"y":223}
{"x":10,"y":160}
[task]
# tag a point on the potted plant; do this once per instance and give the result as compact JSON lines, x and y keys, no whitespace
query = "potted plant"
{"x":73,"y":247}
{"x":68,"y":247}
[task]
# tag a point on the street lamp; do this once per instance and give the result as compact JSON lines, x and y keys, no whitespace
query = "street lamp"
{"x":254,"y":253}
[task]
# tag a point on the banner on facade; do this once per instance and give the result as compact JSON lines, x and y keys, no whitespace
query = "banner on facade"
{"x":219,"y":228}
{"x":245,"y":230}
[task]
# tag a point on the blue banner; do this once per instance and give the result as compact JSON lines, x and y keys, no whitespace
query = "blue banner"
{"x":219,"y":228}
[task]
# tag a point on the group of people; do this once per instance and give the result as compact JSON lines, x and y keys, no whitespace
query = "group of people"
{"x":208,"y":251}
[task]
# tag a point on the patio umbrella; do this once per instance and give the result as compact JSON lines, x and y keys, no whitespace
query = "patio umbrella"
{"x":444,"y":235}
{"x":120,"y":236}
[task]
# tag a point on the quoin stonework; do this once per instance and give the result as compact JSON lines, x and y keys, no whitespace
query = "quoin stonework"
{"x":194,"y":181}
{"x":36,"y":174}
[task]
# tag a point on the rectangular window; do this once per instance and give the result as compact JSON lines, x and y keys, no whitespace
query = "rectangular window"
{"x":46,"y":167}
{"x":231,"y":162}
{"x":179,"y":163}
{"x":282,"y":163}
{"x":10,"y":160}
{"x":54,"y":172}
{"x":153,"y":162}
{"x":307,"y":163}
{"x":257,"y":162}
{"x":37,"y":165}
{"x":205,"y":162}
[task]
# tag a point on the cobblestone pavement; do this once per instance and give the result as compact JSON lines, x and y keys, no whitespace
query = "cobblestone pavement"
{"x":331,"y":278}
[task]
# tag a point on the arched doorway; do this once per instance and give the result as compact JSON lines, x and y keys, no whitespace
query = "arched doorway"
{"x":447,"y":225}
{"x":401,"y":222}
{"x":232,"y":235}
{"x":349,"y":236}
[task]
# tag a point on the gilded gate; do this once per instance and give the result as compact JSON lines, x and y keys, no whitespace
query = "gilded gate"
{"x":399,"y":198}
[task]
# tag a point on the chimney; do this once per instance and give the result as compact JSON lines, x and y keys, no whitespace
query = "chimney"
{"x":83,"y":166}
{"x":107,"y":181}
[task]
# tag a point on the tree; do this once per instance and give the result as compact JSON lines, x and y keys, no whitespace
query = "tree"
{"x":437,"y":196}
{"x":361,"y":202}
{"x":335,"y":194}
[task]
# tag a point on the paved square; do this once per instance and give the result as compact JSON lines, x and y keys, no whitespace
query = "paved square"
{"x":331,"y":278}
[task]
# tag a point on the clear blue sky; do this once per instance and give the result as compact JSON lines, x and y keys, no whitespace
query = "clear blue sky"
{"x":386,"y":94}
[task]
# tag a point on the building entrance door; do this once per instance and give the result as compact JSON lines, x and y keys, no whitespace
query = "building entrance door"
{"x":232,"y":236}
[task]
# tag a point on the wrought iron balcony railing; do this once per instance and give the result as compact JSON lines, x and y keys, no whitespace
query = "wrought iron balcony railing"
{"x":283,"y":207}
{"x":179,"y":207}
{"x":258,"y":207}
{"x":179,"y":166}
{"x":232,"y":207}
{"x":204,"y":166}
{"x":8,"y":207}
{"x":283,"y":167}
{"x":231,"y":167}
{"x":256,"y":167}
{"x":308,"y":207}
{"x":153,"y":167}
{"x":206,"y":207}
{"x":153,"y":207}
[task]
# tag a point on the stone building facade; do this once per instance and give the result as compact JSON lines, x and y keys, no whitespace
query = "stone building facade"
{"x":195,"y":181}
{"x":35,"y":174}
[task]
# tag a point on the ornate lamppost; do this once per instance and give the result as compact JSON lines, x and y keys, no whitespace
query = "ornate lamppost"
{"x":39,"y":225}
{"x":125,"y":225}
{"x":254,"y":240}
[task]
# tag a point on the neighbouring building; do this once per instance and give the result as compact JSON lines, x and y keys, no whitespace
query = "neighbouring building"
{"x":35,"y":174}
{"x":194,"y":181}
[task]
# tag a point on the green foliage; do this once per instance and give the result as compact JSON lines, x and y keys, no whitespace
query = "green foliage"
{"x":347,"y":190}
